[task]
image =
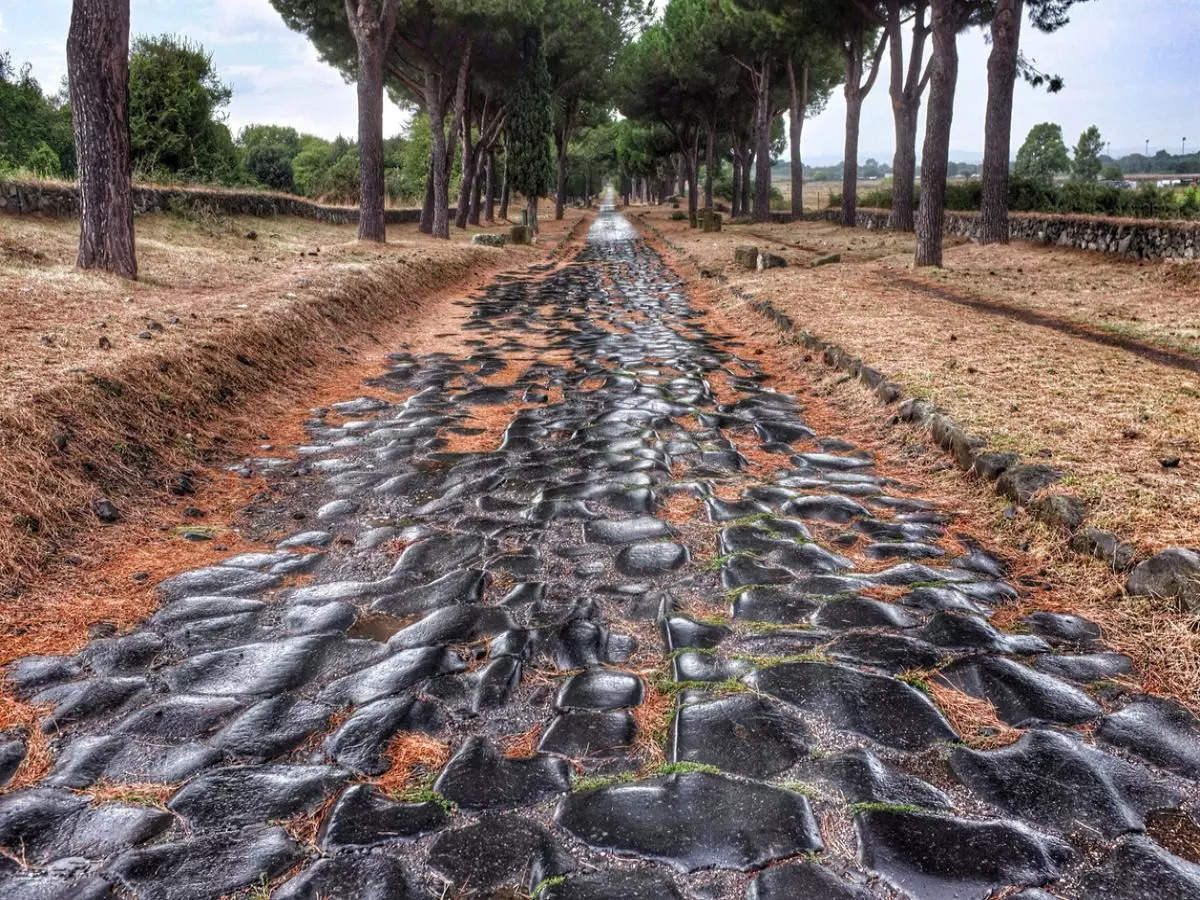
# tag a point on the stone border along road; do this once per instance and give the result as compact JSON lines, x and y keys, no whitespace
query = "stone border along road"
{"x":1171,"y":575}
{"x":537,"y":588}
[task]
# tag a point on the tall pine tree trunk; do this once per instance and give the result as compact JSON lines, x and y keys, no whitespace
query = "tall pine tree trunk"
{"x":762,"y":136}
{"x":797,"y":104}
{"x":489,"y":188}
{"x":935,"y":152}
{"x":850,"y":164}
{"x":747,"y":170}
{"x":476,"y":187}
{"x":504,"y":188}
{"x":98,"y":74}
{"x":997,"y":128}
{"x":426,"y":225}
{"x":906,"y":89}
{"x":371,"y":22}
{"x":735,"y":203}
{"x":710,"y":163}
{"x":466,"y":184}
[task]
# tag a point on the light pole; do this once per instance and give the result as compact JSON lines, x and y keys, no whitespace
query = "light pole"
{"x":1183,"y":149}
{"x":1147,"y":146}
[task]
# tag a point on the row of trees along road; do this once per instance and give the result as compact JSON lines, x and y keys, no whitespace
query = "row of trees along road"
{"x":703,"y":85}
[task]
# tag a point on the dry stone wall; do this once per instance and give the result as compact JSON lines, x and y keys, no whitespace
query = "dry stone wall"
{"x":57,"y":200}
{"x":1133,"y":239}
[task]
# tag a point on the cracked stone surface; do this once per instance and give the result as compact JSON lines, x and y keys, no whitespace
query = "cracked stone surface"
{"x":646,"y":668}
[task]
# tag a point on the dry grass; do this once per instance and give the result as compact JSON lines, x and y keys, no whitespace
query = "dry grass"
{"x":409,"y":754}
{"x":18,"y":716}
{"x":1104,"y":413}
{"x":653,"y":719}
{"x":523,"y":745}
{"x":130,"y":794}
{"x":975,"y":720}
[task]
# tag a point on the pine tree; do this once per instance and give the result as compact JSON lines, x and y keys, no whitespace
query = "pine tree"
{"x":529,"y":126}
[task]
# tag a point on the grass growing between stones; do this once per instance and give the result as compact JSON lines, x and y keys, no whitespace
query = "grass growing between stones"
{"x":885,"y":807}
{"x":594,"y":783}
{"x":133,"y":794}
{"x":545,"y":884}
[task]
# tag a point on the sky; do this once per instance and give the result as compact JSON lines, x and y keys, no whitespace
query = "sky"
{"x":1131,"y":68}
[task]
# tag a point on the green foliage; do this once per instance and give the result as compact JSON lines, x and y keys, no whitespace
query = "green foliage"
{"x":1043,"y":155}
{"x":268,"y":152}
{"x":36,"y":131}
{"x":1086,"y":165}
{"x":529,"y":122}
{"x":175,"y":103}
{"x":1111,"y":172}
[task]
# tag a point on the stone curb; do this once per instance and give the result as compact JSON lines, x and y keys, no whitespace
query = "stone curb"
{"x":1172,"y":574}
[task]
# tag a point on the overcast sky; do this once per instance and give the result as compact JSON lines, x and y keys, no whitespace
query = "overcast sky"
{"x":1131,"y":68}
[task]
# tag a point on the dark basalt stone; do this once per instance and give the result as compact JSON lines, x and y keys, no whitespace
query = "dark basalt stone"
{"x":439,"y":554}
{"x":863,"y":778}
{"x":79,"y":701}
{"x":209,"y":866}
{"x":827,"y":508}
{"x":363,"y":817}
{"x":40,"y":825}
{"x":600,"y":689}
{"x":226,"y":580}
{"x":1056,"y":781}
{"x":625,"y":531}
{"x":943,"y":858}
{"x":245,"y":795}
{"x":902,"y":550}
{"x":460,"y":624}
{"x":127,"y":655}
{"x":1156,"y":729}
{"x":1062,"y":628}
{"x":652,"y":558}
{"x":943,"y":599}
{"x":741,"y":734}
{"x":961,"y":631}
{"x":498,"y":850}
{"x":795,"y":881}
{"x":862,"y":612}
{"x":456,"y":587}
{"x":742,"y":571}
{"x":352,"y":876}
{"x":579,"y":734}
{"x":121,"y":759}
{"x":359,"y":742}
{"x":57,"y":884}
{"x":681,"y":631}
{"x":637,"y":884}
{"x":272,"y":727}
{"x":178,"y":717}
{"x":265,"y":668}
{"x":693,"y":821}
{"x":1084,"y":668}
{"x":692,"y":666}
{"x":479,"y":777}
{"x":29,"y":674}
{"x":496,"y":683}
{"x":728,"y":510}
{"x":392,"y":675}
{"x":890,"y":652}
{"x":780,"y":605}
{"x":1022,"y":697}
{"x":875,"y":706}
{"x":1139,"y":869}
{"x":336,"y":616}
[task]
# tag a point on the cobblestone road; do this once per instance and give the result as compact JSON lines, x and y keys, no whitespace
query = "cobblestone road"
{"x":675,"y":643}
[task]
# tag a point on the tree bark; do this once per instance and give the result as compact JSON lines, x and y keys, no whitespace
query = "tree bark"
{"x":435,"y":189}
{"x":466,"y":183}
{"x":426,"y":224}
{"x":735,"y":202}
{"x":906,"y":89}
{"x":691,"y":164}
{"x":762,"y":137}
{"x":561,"y":140}
{"x":797,"y":104}
{"x":504,"y":186}
{"x":531,"y":209}
{"x":476,"y":187}
{"x":489,"y":188}
{"x":710,"y":163}
{"x":98,"y":75}
{"x":935,"y":152}
{"x":372,"y":25}
{"x":997,"y":128}
{"x":855,"y":91}
{"x":747,"y":169}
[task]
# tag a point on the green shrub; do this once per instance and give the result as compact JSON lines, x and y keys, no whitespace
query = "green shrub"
{"x":678,"y":216}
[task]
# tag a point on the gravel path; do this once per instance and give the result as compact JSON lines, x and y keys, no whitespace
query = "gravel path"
{"x":675,"y":643}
